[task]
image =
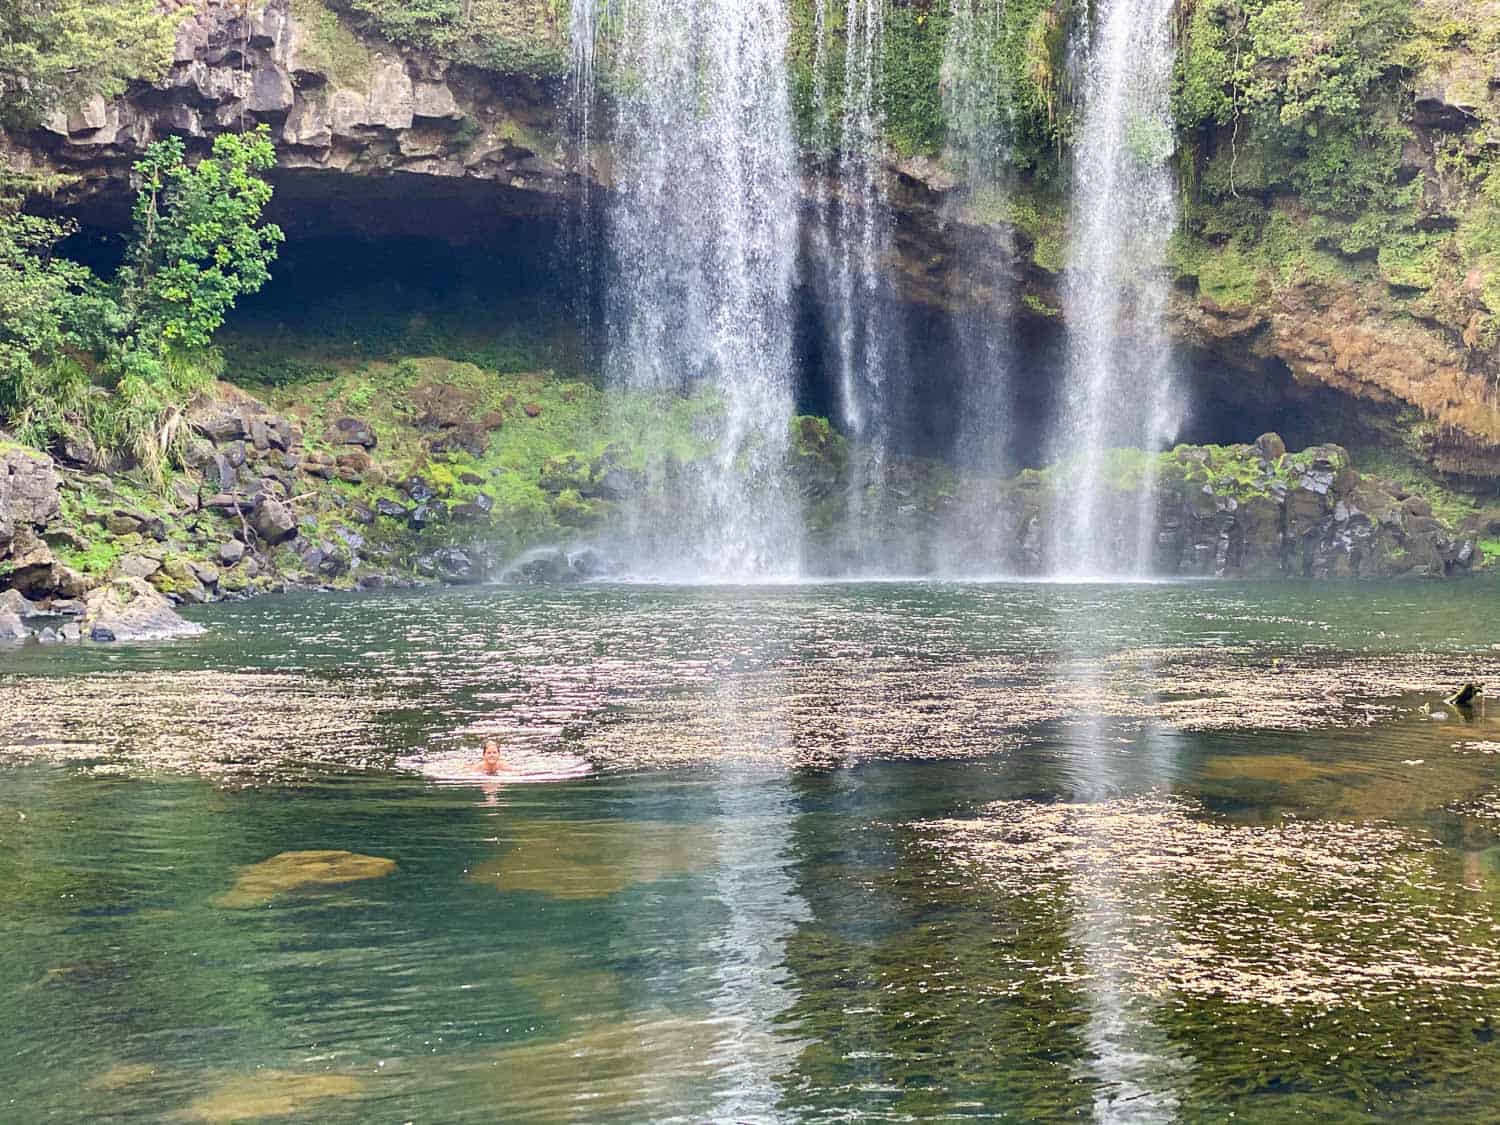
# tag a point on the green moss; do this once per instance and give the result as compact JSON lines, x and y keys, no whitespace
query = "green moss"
{"x":1489,"y":550}
{"x":571,"y":510}
{"x":328,"y":46}
{"x":1015,"y":78}
{"x":1229,"y":275}
{"x":1412,"y":260}
{"x":911,"y":71}
{"x":506,"y":36}
{"x":1417,"y":479}
{"x":1038,"y":215}
{"x":96,"y":559}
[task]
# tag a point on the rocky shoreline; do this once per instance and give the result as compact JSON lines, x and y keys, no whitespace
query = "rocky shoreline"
{"x":275,"y":499}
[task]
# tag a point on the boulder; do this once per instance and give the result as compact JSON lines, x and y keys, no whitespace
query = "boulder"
{"x":33,"y":565}
{"x":390,"y":510}
{"x":14,"y":609}
{"x":540,"y":568}
{"x":357,"y":461}
{"x":350,"y":538}
{"x":185,"y":495}
{"x":564,"y":472}
{"x":68,"y":583}
{"x":1270,"y":447}
{"x":352,"y":431}
{"x":219,"y":422}
{"x":425,"y":515}
{"x":29,"y":496}
{"x":474,"y":511}
{"x":455,"y":565}
{"x":128,"y":609}
{"x":273,"y":521}
{"x":137,"y":566}
{"x":231,"y":551}
{"x":178,"y":579}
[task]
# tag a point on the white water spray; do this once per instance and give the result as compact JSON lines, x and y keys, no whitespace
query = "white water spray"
{"x":853,"y":237}
{"x":702,"y":231}
{"x":1120,"y":390}
{"x":977,"y":104}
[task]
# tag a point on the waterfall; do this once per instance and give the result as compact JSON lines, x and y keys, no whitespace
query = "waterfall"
{"x":1120,"y":391}
{"x":852,"y":238}
{"x":977,"y":107}
{"x":702,"y":229}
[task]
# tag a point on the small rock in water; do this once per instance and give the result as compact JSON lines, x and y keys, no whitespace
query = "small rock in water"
{"x":101,"y":634}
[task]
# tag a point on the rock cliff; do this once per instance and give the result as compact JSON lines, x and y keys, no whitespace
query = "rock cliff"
{"x":417,"y":140}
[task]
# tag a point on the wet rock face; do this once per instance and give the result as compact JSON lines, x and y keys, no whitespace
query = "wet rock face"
{"x":1220,"y":512}
{"x":1313,"y":516}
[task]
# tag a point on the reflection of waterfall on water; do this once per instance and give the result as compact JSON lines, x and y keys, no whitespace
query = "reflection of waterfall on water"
{"x":852,"y":238}
{"x":976,"y":105}
{"x":1131,"y":1059}
{"x":1119,"y":391}
{"x":754,"y":825}
{"x":702,"y":231}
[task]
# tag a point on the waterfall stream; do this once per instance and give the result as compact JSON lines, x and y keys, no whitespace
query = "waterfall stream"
{"x":976,"y":105}
{"x":702,"y":232}
{"x":852,"y":239}
{"x":1119,"y":392}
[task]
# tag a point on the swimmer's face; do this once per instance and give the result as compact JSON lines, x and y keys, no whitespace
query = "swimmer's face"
{"x":491,"y":757}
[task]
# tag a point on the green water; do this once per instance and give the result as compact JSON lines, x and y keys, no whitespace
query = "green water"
{"x":880,"y":852}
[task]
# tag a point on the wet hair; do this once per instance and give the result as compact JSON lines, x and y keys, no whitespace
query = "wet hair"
{"x":488,"y":742}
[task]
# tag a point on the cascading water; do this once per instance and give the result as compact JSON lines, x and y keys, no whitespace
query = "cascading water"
{"x":1120,"y":390}
{"x":852,"y":238}
{"x":702,"y":232}
{"x":977,"y":106}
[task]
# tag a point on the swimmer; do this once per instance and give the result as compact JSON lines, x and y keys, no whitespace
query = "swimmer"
{"x":492,"y":763}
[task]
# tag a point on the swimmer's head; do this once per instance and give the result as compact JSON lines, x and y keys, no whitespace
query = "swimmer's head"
{"x":492,"y":760}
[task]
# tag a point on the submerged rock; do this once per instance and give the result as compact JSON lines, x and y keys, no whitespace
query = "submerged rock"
{"x":289,"y":871}
{"x":1465,"y":696}
{"x":270,"y":1093}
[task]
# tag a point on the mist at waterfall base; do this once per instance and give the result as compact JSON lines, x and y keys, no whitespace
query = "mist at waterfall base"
{"x":733,"y":254}
{"x":702,"y":232}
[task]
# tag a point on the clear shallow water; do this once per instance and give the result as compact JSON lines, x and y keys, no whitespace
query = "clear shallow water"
{"x":852,"y":852}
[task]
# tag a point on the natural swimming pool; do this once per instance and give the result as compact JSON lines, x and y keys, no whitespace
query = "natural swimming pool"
{"x":880,"y":851}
